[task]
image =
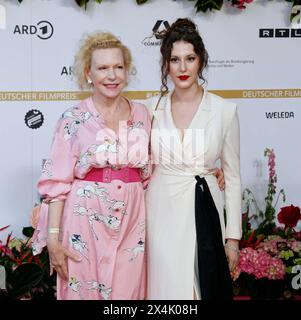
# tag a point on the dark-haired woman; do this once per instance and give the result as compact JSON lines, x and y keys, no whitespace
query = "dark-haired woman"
{"x":192,"y":248}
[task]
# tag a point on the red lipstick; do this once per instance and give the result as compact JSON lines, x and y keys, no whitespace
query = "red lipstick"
{"x":183,"y":78}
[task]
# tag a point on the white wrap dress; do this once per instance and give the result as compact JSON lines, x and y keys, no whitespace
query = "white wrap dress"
{"x":213,"y":135}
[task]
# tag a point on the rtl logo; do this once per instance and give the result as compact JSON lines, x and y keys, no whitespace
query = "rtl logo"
{"x":294,"y":32}
{"x":279,"y":33}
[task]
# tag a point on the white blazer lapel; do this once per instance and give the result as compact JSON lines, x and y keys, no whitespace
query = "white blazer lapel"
{"x":195,"y":137}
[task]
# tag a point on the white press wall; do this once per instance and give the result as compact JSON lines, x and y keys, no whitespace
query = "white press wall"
{"x":239,"y":61}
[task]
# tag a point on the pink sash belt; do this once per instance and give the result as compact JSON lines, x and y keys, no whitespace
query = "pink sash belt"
{"x":107,"y":174}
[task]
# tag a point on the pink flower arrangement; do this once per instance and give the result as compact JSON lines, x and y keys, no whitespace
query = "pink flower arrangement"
{"x":268,"y":252}
{"x":260,"y":264}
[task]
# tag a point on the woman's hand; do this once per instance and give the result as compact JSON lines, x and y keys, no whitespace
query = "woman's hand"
{"x":219,"y":173}
{"x":232,"y":253}
{"x":58,"y":256}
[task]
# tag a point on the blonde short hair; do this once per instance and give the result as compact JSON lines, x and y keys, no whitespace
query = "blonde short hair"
{"x":90,"y":42}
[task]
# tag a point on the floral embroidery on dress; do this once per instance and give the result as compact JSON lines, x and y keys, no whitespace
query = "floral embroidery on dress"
{"x":74,"y":119}
{"x":46,"y":167}
{"x":132,"y":125}
{"x":109,"y":145}
{"x":75,"y":286}
{"x":84,"y":159}
{"x":78,"y":244}
{"x":92,"y":189}
{"x":136,"y":250}
{"x":37,"y":246}
{"x":101,"y":288}
{"x":116,"y":205}
{"x":109,"y":221}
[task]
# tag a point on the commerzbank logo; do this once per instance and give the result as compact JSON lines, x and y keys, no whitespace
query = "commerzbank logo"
{"x":157,"y":35}
{"x":43,"y":30}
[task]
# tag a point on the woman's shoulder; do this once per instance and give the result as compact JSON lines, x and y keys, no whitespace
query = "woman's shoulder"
{"x":141,"y":111}
{"x":75,"y":110}
{"x":220,"y":103}
{"x":139,"y":106}
{"x":148,"y":104}
{"x":226,"y":109}
{"x":155,"y":102}
{"x":74,"y":115}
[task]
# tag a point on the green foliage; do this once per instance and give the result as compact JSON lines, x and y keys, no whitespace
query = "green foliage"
{"x":27,"y":276}
{"x":28,"y":232}
{"x":200,"y":5}
{"x":264,"y":219}
{"x":208,"y":5}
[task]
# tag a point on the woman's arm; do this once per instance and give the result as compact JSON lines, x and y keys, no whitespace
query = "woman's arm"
{"x":57,"y":253}
{"x":230,"y":161}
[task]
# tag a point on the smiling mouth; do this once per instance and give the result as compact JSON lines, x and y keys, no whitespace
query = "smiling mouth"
{"x":111,"y":85}
{"x":183,"y":78}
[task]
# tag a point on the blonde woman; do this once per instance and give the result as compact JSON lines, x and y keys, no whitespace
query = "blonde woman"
{"x":93,"y":214}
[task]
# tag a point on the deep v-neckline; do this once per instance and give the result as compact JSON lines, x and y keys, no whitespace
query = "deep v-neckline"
{"x":179,"y":133}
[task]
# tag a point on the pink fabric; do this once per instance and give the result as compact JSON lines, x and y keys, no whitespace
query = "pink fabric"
{"x":124,"y":174}
{"x":103,"y":223}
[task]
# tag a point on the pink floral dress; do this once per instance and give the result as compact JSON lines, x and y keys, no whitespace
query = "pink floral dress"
{"x":103,"y":223}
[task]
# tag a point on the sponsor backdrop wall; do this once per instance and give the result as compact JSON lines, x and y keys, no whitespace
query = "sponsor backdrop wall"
{"x":258,"y":69}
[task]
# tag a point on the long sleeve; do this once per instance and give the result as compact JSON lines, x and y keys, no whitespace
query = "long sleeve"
{"x":146,"y":170}
{"x":230,"y":161}
{"x":58,"y":170}
{"x":56,"y":179}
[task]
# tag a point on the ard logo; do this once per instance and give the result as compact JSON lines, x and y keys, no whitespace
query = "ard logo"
{"x":43,"y":30}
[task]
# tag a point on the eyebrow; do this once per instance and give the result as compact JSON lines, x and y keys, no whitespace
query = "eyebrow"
{"x":188,"y":55}
{"x":107,"y":65}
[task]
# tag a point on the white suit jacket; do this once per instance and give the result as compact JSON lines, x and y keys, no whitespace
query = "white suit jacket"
{"x":217,"y":120}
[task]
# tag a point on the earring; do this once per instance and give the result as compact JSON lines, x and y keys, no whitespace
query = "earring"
{"x":89,"y":80}
{"x":133,"y":71}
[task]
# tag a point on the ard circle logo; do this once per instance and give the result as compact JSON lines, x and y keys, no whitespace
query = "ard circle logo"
{"x":46,"y":30}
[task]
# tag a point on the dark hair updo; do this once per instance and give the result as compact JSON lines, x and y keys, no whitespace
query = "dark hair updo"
{"x":181,"y":30}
